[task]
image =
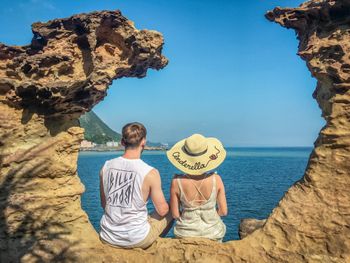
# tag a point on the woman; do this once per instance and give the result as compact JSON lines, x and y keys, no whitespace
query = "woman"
{"x":197,"y":197}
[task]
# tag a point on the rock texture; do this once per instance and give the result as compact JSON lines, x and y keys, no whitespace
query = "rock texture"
{"x":249,"y":225}
{"x":313,"y":219}
{"x":46,"y":86}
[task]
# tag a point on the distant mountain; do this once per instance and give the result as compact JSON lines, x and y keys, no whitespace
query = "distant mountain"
{"x":96,"y":130}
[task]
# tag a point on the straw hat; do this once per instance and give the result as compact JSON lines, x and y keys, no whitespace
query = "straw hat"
{"x":197,"y":154}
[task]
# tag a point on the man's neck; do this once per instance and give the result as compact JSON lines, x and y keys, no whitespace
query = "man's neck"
{"x":132,"y":153}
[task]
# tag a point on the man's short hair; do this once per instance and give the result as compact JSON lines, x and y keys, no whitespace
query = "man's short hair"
{"x":132,"y":134}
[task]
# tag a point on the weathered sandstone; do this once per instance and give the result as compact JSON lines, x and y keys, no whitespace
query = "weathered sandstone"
{"x":46,"y":86}
{"x":249,"y":225}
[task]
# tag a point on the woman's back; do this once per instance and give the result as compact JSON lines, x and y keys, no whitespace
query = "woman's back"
{"x":197,"y":190}
{"x":197,"y":197}
{"x":194,"y":195}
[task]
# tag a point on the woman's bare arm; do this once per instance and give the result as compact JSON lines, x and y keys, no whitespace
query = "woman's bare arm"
{"x":102,"y":193}
{"x":221,"y":197}
{"x":174,"y":199}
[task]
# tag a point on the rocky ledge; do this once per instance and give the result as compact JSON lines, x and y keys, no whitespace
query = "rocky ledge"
{"x":65,"y":71}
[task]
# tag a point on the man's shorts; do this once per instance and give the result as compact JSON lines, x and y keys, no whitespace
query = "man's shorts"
{"x":159,"y":227}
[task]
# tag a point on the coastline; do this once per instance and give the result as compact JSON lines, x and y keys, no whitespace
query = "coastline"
{"x":117,"y":149}
{"x":246,"y":152}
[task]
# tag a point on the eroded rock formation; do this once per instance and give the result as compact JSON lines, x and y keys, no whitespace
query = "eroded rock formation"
{"x":44,"y":88}
{"x":66,"y":70}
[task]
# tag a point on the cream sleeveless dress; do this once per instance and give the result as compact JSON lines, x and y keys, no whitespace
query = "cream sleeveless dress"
{"x":199,"y":220}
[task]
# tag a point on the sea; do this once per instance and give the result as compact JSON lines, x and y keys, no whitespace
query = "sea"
{"x":255,"y":180}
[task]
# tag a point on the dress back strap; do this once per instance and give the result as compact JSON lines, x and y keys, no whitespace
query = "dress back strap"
{"x":182,"y":193}
{"x":214,"y":192}
{"x":198,"y":190}
{"x":179,"y":184}
{"x":214,"y":181}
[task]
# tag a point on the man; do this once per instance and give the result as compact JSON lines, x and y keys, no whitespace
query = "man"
{"x":126,"y":183}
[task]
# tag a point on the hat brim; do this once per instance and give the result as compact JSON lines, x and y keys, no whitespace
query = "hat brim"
{"x":198,"y":164}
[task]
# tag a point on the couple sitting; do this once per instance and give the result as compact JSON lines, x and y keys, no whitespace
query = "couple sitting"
{"x":197,"y":197}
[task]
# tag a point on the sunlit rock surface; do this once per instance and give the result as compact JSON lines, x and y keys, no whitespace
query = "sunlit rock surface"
{"x":46,"y":86}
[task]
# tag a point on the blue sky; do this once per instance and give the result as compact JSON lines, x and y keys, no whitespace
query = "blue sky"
{"x":232,"y":74}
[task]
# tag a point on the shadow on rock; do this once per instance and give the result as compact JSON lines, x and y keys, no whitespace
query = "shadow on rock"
{"x":28,"y":229}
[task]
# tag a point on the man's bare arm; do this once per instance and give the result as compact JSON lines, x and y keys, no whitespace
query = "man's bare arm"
{"x":156,"y":193}
{"x":102,"y":193}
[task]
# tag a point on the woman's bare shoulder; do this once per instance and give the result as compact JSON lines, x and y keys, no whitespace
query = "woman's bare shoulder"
{"x":174,"y":184}
{"x":218,"y":178}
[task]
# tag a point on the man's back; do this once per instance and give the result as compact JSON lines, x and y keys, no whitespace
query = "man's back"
{"x":125,"y":219}
{"x":126,"y":183}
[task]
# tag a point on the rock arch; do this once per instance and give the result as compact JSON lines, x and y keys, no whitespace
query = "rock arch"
{"x":66,"y":70}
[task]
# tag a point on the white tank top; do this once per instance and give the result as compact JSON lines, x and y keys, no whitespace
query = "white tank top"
{"x":124,"y":221}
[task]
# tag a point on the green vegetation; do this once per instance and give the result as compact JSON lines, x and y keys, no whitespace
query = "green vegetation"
{"x":96,"y":130}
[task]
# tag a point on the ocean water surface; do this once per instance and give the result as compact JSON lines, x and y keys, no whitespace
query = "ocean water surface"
{"x":255,"y":180}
